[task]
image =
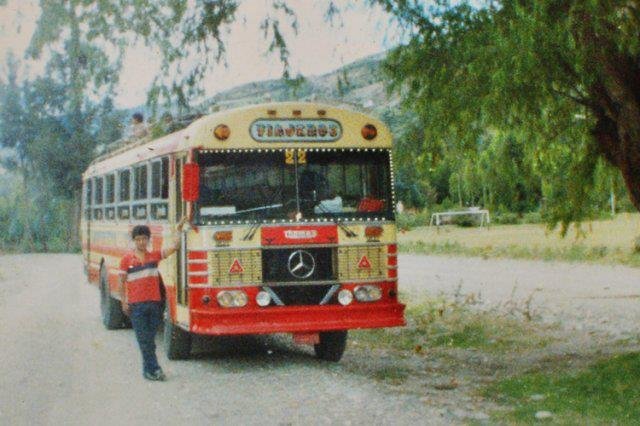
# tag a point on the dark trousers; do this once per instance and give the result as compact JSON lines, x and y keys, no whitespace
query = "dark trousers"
{"x":146,"y":318}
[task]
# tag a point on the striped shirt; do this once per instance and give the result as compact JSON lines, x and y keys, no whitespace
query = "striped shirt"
{"x":142,"y":277}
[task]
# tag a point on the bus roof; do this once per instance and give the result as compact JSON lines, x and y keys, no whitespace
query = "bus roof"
{"x":264,"y":126}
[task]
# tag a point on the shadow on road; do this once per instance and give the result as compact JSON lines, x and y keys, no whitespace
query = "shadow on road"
{"x":272,"y":349}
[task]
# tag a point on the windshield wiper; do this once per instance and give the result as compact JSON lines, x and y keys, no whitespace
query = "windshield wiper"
{"x":262,"y":209}
{"x":255,"y":209}
{"x":335,"y":218}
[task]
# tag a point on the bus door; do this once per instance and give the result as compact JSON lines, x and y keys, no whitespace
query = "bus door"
{"x":180,"y":210}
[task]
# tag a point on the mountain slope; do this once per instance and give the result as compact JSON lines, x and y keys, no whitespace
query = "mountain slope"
{"x":359,"y":84}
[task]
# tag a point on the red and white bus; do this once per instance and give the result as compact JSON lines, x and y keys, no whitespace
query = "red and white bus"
{"x":291,"y":207}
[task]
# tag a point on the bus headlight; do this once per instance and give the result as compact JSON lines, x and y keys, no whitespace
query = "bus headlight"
{"x":367,"y":293}
{"x":232,"y":298}
{"x":263,"y":298}
{"x":345,"y":297}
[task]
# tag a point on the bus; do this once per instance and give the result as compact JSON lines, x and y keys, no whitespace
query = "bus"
{"x":291,"y":209}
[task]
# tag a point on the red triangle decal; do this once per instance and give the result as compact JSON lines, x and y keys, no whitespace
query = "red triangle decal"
{"x":364,"y":263}
{"x":236,"y":267}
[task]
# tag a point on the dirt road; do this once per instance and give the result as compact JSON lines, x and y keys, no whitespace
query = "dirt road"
{"x":576,"y":295}
{"x":60,"y":366}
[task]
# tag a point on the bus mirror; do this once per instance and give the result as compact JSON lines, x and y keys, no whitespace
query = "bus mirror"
{"x":190,"y":182}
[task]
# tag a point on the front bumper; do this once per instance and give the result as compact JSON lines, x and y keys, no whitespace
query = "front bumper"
{"x":288,"y":319}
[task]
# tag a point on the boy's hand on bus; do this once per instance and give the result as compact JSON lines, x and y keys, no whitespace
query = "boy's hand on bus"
{"x":180,"y":225}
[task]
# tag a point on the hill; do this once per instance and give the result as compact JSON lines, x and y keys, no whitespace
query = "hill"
{"x":359,"y":84}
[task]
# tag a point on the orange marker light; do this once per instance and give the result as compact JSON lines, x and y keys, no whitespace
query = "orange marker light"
{"x":373,"y":231}
{"x":369,"y":132}
{"x":223,"y":236}
{"x":222,"y":132}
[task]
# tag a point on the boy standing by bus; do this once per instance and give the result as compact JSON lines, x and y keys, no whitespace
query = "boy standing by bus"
{"x":141,"y":295}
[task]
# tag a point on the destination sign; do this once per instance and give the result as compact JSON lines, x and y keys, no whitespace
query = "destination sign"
{"x":283,"y":130}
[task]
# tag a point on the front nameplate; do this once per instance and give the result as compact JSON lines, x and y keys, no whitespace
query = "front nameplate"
{"x":283,"y":130}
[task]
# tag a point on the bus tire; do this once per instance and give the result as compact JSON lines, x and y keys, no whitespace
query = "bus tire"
{"x":177,"y":342}
{"x":110,"y":308}
{"x":332,"y":345}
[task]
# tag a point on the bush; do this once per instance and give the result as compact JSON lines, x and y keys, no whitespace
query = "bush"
{"x":532,"y":217}
{"x":506,"y":218}
{"x":465,"y":221}
{"x":409,"y":220}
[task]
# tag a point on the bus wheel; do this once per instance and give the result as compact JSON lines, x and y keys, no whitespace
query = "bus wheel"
{"x":332,"y":345}
{"x":110,"y":308}
{"x":177,"y":342}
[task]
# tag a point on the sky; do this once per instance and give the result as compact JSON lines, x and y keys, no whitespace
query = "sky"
{"x":318,"y":48}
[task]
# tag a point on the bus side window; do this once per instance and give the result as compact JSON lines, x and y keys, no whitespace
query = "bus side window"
{"x":88,"y":185}
{"x":164,"y":186}
{"x":109,"y":195}
{"x":140,"y":188}
{"x":160,"y":189}
{"x":124,"y":194}
{"x":98,"y":198}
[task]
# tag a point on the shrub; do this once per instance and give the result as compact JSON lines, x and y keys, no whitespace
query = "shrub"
{"x":506,"y":218}
{"x":465,"y":221}
{"x":532,"y":217}
{"x":409,"y":220}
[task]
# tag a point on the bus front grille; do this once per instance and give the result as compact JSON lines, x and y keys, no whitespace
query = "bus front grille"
{"x":234,"y":267}
{"x":301,"y":295}
{"x":304,"y":264}
{"x":362,"y":263}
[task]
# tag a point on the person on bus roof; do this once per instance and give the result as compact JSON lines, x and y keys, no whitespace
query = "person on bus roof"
{"x":141,"y":295}
{"x":138,"y":129}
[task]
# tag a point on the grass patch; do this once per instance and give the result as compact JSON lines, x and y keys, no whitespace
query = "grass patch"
{"x":446,"y":324}
{"x":602,"y":241}
{"x":606,"y":392}
{"x":393,"y":375}
{"x":574,"y":253}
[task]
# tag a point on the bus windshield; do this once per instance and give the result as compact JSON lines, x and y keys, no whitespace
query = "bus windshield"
{"x":296,"y":185}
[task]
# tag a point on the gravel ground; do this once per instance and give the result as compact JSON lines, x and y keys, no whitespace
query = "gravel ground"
{"x":577,"y":296}
{"x":60,"y":366}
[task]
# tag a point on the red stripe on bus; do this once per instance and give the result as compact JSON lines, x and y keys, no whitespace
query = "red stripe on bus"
{"x":198,"y":267}
{"x":198,"y":279}
{"x":197,"y":255}
{"x":392,"y":248}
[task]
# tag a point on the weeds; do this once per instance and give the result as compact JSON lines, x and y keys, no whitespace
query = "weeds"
{"x":455,"y":323}
{"x":606,"y":392}
{"x":391,"y":374}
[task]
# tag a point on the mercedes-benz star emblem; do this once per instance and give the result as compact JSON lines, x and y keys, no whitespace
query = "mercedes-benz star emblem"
{"x":301,"y":264}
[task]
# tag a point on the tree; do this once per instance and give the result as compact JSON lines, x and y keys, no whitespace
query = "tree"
{"x":562,"y":73}
{"x":508,"y":176}
{"x":54,"y":122}
{"x":17,"y":133}
{"x":84,"y":58}
{"x":192,"y":37}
